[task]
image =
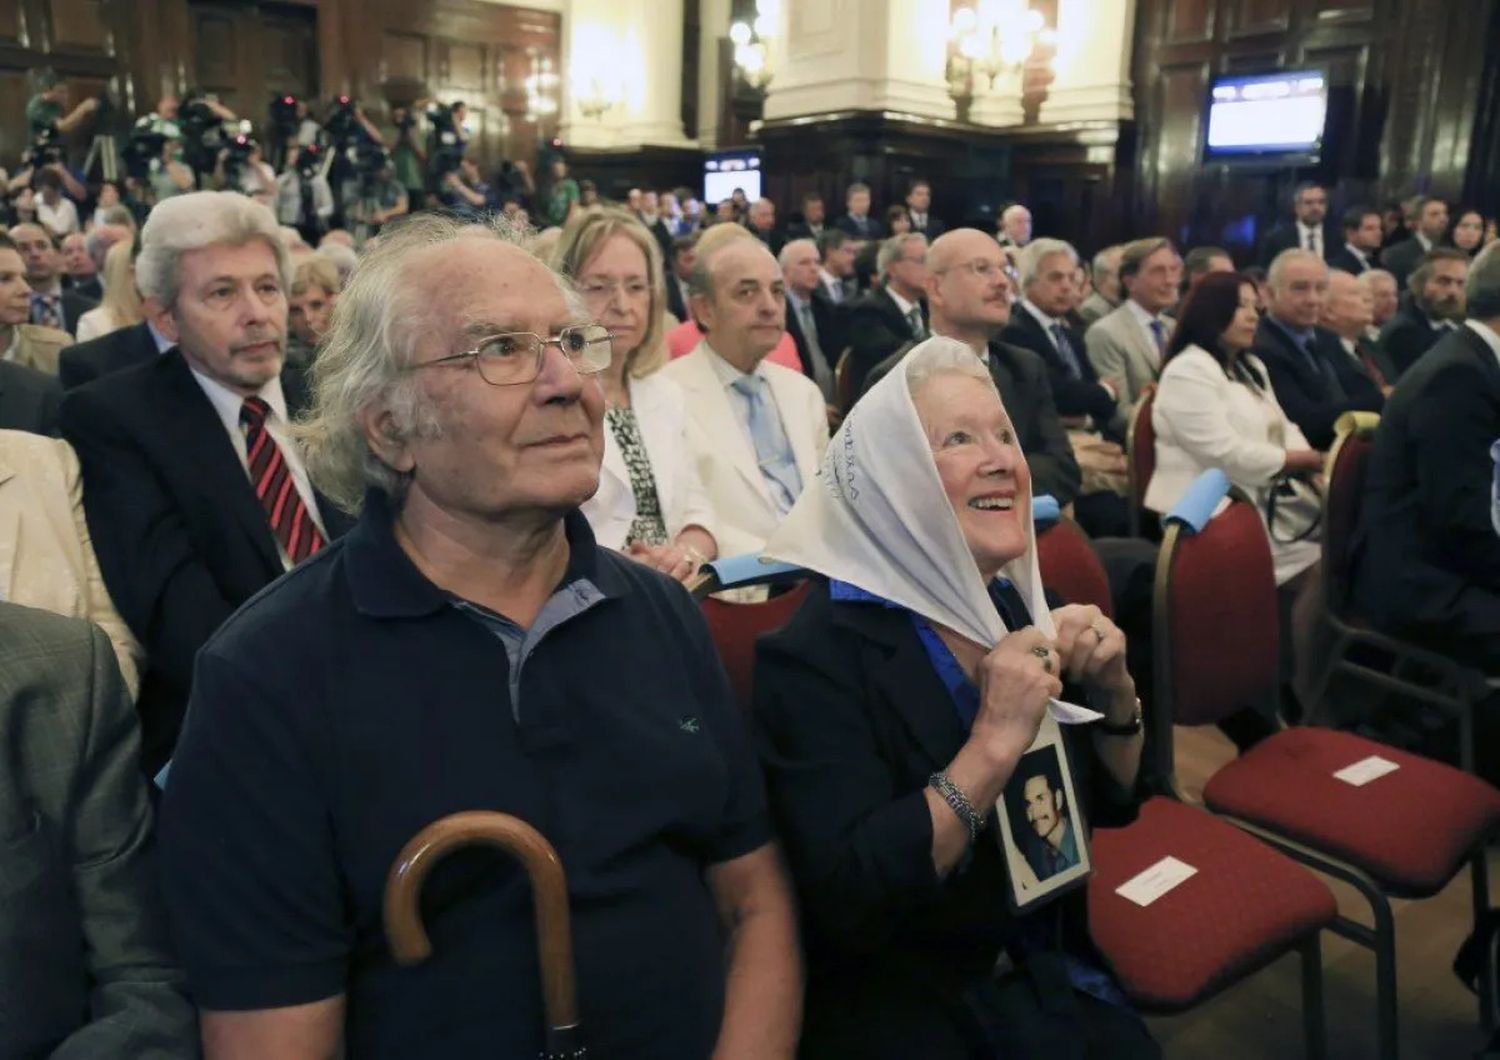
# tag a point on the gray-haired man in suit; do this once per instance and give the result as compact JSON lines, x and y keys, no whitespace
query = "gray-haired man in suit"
{"x":1126,"y":345}
{"x":85,"y":966}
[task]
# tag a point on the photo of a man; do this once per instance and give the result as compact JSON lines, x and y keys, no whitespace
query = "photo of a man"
{"x":1048,"y":841}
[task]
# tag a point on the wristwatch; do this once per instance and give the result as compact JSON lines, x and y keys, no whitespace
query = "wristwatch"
{"x":1130,"y":728}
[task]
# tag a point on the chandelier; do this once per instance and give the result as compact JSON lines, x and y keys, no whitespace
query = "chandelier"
{"x":752,"y":51}
{"x":988,"y":39}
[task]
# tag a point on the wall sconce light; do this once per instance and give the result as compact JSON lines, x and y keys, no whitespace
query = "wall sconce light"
{"x":541,"y":87}
{"x":752,"y":52}
{"x":995,"y":37}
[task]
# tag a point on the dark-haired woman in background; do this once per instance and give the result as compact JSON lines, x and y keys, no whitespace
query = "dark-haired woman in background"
{"x":1470,"y":231}
{"x":1215,"y":408}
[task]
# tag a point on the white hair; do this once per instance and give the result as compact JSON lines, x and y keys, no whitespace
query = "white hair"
{"x":892,"y":249}
{"x":1368,"y":277}
{"x":1284,"y":260}
{"x":1107,"y":262}
{"x":196,"y":220}
{"x":366,"y":355}
{"x":1038,"y":251}
{"x":343,"y":257}
{"x":794,"y":245}
{"x":941,"y":355}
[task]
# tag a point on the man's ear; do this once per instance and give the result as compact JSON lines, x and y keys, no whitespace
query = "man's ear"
{"x":384,"y":440}
{"x":161,"y":318}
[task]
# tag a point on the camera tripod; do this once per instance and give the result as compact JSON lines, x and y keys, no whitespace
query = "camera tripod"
{"x":102,"y":148}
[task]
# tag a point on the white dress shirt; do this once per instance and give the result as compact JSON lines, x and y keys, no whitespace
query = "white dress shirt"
{"x":227,"y":404}
{"x":1144,"y":318}
{"x":1313,"y":232}
{"x":832,"y":284}
{"x":61,"y":219}
{"x":1359,"y":255}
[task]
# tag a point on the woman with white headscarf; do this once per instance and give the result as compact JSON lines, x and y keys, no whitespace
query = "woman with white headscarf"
{"x":912,"y":695}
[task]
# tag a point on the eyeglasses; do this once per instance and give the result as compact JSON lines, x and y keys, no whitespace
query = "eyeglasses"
{"x":606,"y":289}
{"x":981,"y":267}
{"x":516,"y":357}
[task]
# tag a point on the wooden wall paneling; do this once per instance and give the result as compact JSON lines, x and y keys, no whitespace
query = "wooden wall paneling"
{"x":12,"y":25}
{"x":1189,"y":22}
{"x":1180,"y":94}
{"x":404,"y":55}
{"x":1249,"y":18}
{"x":79,"y":25}
{"x":14,"y":91}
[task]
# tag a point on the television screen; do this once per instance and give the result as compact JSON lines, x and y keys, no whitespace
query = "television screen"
{"x":1267,"y":116}
{"x":726,"y":170}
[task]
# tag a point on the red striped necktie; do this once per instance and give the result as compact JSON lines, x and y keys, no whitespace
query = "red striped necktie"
{"x":291,"y":522}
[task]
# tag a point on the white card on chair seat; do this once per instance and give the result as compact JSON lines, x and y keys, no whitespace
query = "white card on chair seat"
{"x":1366,"y":770}
{"x":1146,"y":887}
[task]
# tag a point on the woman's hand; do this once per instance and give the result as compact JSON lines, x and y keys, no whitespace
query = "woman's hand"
{"x":1016,"y":682}
{"x":1303,"y":460}
{"x":1092,"y":650}
{"x":671,"y":560}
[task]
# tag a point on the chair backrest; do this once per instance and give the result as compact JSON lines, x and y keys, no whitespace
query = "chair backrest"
{"x":1070,"y":566}
{"x":843,"y":382}
{"x":1343,"y":497}
{"x":1214,"y":623}
{"x":1140,"y":446}
{"x":735,"y":628}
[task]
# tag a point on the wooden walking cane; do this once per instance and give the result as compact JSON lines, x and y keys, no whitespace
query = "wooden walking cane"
{"x":549,"y":891}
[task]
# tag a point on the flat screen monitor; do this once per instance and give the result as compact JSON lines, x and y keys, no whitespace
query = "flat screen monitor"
{"x":1275,"y":117}
{"x":724,"y":171}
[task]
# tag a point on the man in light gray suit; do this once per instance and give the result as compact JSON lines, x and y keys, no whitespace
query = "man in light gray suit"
{"x":1127,"y":344}
{"x":85,"y":966}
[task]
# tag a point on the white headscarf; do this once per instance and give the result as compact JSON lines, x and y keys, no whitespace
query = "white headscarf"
{"x":879,"y":518}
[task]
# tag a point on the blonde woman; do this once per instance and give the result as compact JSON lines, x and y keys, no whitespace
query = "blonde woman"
{"x":650,"y":502}
{"x":122,"y":302}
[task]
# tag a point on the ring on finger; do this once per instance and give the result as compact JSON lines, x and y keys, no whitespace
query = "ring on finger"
{"x":1044,"y":653}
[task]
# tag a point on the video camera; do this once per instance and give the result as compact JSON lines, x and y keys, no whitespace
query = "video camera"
{"x":144,"y":144}
{"x":448,"y":144}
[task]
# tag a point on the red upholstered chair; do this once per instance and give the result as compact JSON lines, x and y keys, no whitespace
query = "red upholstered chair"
{"x":1357,"y":650}
{"x":735,"y":627}
{"x":1071,"y":567}
{"x":1405,"y":834}
{"x":1140,"y":450}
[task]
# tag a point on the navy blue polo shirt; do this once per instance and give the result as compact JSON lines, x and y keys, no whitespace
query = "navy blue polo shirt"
{"x":351,"y":703}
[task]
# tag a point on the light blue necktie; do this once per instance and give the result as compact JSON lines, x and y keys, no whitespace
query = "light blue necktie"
{"x":773,"y":451}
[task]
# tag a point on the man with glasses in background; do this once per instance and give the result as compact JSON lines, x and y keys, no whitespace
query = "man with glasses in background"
{"x":468,"y":646}
{"x":195,"y":494}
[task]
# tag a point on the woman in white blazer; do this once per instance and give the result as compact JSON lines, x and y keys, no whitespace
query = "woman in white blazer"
{"x":1215,"y":408}
{"x":650,"y":502}
{"x":46,"y":558}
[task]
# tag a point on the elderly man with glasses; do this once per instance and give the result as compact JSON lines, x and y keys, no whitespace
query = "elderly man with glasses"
{"x":468,"y":646}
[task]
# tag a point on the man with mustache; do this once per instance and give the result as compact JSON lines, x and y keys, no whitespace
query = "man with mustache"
{"x":1051,"y":846}
{"x":195,"y":495}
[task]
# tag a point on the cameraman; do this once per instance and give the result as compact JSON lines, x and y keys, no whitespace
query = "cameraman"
{"x":256,"y":178}
{"x":303,"y":174}
{"x":44,"y":111}
{"x":385,"y":199}
{"x":170,"y":175}
{"x":167,"y":108}
{"x":408,"y":156}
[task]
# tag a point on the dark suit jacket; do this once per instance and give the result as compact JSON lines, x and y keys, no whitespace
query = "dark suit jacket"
{"x":875,"y":328}
{"x":122,"y":348}
{"x":892,"y":951}
{"x":86,"y":964}
{"x":873,"y":229}
{"x":1428,"y":557}
{"x":676,"y":304}
{"x":1076,"y":395}
{"x":1343,"y":259}
{"x":29,"y":400}
{"x":774,"y":239}
{"x":181,"y":538}
{"x":1407,"y":336}
{"x":1021,"y":378}
{"x":826,"y":319}
{"x":74,"y":305}
{"x":932,"y":229}
{"x":1306,"y":394}
{"x":89,"y":287}
{"x":1284,"y":237}
{"x":802,"y":230}
{"x":1401,"y":261}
